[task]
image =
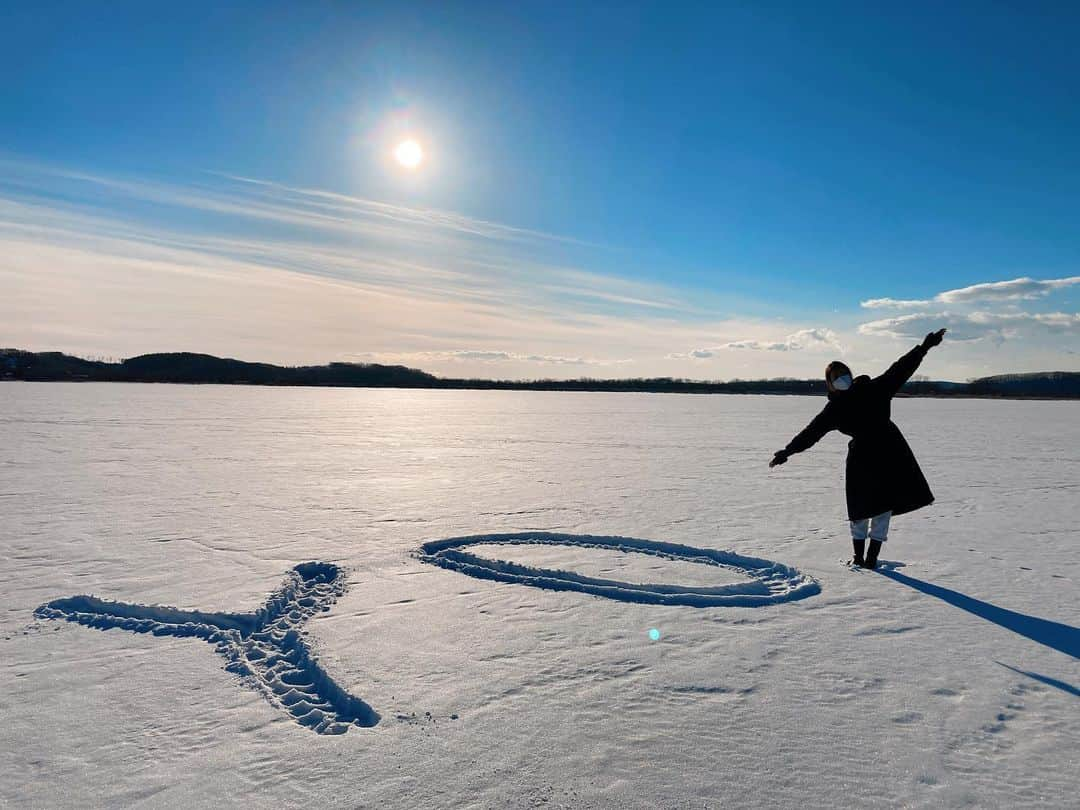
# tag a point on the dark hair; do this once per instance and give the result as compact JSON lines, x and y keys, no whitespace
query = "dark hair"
{"x":835,"y":369}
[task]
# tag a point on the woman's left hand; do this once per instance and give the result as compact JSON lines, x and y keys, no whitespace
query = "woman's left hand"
{"x":933,"y":339}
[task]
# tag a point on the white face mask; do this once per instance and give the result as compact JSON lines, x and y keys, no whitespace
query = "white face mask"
{"x":842,"y":383}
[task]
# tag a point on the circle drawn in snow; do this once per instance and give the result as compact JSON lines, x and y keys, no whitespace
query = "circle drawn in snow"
{"x":767,"y":583}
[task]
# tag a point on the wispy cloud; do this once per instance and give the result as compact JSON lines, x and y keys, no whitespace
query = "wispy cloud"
{"x":97,"y":264}
{"x":318,"y":233}
{"x":261,"y":200}
{"x":357,"y":207}
{"x":485,"y":356}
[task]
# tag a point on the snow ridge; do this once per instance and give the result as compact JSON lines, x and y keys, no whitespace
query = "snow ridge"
{"x":267,"y":648}
{"x":769,"y":582}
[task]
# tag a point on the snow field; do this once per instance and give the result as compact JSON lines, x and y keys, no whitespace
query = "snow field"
{"x":955,"y":685}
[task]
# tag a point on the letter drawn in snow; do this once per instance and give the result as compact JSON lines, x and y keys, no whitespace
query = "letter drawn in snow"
{"x":266,"y":648}
{"x":767,"y":583}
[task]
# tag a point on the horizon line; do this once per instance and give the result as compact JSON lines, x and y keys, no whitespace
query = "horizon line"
{"x":117,"y":361}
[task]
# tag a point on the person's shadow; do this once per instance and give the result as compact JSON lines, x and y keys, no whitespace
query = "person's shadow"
{"x":1061,"y":637}
{"x":1054,"y":682}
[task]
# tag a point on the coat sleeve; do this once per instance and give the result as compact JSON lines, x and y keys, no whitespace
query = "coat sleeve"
{"x":900,"y":372}
{"x":812,"y":433}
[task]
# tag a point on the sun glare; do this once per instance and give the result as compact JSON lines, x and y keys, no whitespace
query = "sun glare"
{"x":409,"y":154}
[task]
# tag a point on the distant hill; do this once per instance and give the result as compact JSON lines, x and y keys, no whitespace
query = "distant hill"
{"x":1057,"y":384}
{"x":185,"y":367}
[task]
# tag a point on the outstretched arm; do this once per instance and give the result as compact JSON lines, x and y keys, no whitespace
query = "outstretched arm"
{"x":900,"y":371}
{"x":808,"y":436}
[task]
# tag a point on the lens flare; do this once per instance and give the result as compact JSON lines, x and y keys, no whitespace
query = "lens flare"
{"x":654,"y":634}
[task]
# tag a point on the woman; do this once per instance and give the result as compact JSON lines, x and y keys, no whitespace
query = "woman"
{"x":883,"y":477}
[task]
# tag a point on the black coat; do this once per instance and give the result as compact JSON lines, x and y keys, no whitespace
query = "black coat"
{"x":882,"y":473}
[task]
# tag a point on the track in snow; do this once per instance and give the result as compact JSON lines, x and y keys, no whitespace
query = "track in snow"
{"x":768,"y":582}
{"x":267,"y":647}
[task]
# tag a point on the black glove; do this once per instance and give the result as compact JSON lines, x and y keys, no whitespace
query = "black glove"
{"x":780,"y":457}
{"x":933,"y":339}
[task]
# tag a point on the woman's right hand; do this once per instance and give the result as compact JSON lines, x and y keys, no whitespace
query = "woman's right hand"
{"x":779,"y":458}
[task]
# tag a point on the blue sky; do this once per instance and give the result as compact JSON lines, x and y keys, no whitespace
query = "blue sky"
{"x":704,"y":190}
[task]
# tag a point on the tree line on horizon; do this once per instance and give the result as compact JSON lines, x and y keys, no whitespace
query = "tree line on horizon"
{"x":187,"y":367}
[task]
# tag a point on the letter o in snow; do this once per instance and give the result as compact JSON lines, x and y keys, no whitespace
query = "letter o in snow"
{"x":767,"y":583}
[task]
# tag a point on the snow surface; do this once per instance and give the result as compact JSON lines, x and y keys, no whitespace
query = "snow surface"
{"x":949,"y":679}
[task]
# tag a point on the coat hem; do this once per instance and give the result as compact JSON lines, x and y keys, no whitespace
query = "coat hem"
{"x":899,"y":510}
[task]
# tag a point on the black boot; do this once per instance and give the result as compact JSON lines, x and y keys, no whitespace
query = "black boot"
{"x":871,"y":555}
{"x":860,"y":547}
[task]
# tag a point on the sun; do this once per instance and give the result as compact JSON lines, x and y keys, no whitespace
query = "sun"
{"x":409,"y":154}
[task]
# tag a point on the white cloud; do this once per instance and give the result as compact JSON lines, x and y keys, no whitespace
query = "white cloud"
{"x":804,"y":340}
{"x":1016,"y":289}
{"x":895,"y":303}
{"x":994,"y":326}
{"x":989,"y":312}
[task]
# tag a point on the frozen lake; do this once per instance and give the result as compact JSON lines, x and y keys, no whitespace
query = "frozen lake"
{"x":950,"y":680}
